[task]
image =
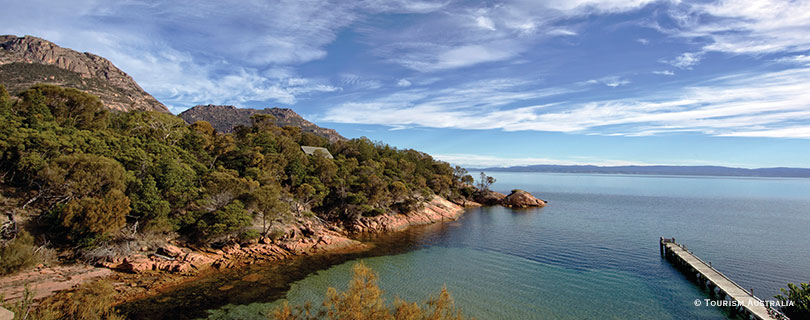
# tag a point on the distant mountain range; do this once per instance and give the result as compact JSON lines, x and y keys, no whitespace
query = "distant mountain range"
{"x":659,"y":170}
{"x":26,"y":61}
{"x":225,"y":118}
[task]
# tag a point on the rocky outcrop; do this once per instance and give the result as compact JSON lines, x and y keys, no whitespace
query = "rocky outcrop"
{"x":169,"y":258}
{"x":45,"y":280}
{"x":25,"y":61}
{"x":437,"y":210}
{"x":225,"y":118}
{"x":489,"y":197}
{"x":521,"y":199}
{"x":305,"y":238}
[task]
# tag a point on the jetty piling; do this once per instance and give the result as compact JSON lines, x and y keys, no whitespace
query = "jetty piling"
{"x":742,"y":302}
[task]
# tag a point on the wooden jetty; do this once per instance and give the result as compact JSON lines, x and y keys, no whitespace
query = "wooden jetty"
{"x":741,"y":302}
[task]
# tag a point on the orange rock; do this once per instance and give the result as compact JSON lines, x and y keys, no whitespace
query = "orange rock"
{"x":170,"y":251}
{"x":522,"y":199}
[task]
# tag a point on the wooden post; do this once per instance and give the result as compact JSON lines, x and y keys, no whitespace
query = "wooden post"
{"x":661,"y":245}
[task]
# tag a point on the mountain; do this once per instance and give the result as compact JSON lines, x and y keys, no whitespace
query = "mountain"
{"x":25,"y":61}
{"x":662,"y":170}
{"x":225,"y":118}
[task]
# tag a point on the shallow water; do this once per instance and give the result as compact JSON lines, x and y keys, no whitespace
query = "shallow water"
{"x":591,"y":254}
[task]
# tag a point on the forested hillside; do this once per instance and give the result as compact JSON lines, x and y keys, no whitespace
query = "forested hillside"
{"x":81,"y":172}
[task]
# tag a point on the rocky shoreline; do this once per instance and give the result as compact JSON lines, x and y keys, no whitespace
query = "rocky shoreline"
{"x":149,"y":272}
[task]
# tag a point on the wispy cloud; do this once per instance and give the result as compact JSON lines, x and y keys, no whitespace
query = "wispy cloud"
{"x":488,"y":161}
{"x":359,"y":82}
{"x":664,"y":72}
{"x":612,"y":81}
{"x":801,"y":59}
{"x":470,"y":36}
{"x":745,"y":26}
{"x":402,"y":83}
{"x":767,"y":104}
{"x":686,"y":60}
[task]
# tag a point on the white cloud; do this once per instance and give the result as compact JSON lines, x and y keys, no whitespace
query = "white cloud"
{"x":746,"y":26}
{"x":358,"y":82}
{"x":643,"y":41}
{"x":473,"y":105}
{"x":488,"y":161}
{"x":597,"y":6}
{"x":511,"y":29}
{"x":769,"y":104}
{"x":802,"y":132}
{"x":435,"y":58}
{"x":402,"y":83}
{"x":801,"y":59}
{"x":612,"y":81}
{"x":485,"y":23}
{"x":664,"y":72}
{"x":561,"y":32}
{"x":686,"y":60}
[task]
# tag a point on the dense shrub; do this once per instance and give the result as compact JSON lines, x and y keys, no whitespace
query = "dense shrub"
{"x":18,"y":254}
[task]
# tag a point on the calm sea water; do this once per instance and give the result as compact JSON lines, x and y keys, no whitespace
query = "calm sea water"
{"x":592,"y":253}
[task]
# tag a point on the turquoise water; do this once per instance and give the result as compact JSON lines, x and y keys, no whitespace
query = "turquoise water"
{"x":592,"y":253}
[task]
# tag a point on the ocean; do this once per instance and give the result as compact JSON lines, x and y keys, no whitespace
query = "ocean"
{"x":592,"y":253}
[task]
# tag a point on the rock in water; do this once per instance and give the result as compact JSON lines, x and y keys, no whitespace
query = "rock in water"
{"x":521,"y":199}
{"x":489,"y":197}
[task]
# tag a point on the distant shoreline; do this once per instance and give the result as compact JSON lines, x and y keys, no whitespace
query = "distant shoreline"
{"x":703,"y":171}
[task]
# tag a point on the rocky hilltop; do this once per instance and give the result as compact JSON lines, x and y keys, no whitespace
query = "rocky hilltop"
{"x":225,"y":118}
{"x":25,"y":61}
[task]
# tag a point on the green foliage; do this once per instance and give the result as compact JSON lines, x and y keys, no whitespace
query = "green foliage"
{"x":68,"y":106}
{"x":18,"y":254}
{"x":485,"y":181}
{"x":799,"y":296}
{"x":84,"y":219}
{"x":92,"y":171}
{"x":364,"y":301}
{"x":148,"y":205}
{"x":266,"y":202}
{"x":5,"y":100}
{"x":230,"y":218}
{"x":81,"y":175}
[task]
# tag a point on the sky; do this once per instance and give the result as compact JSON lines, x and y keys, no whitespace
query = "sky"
{"x":477,"y":83}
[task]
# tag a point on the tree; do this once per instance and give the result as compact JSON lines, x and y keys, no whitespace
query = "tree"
{"x":267,"y":203}
{"x":307,"y":196}
{"x":80,"y":175}
{"x":485,"y":182}
{"x":73,"y":108}
{"x":228,"y":219}
{"x":262,"y":121}
{"x":799,"y":296}
{"x":5,"y":99}
{"x":148,"y":205}
{"x":364,"y":301}
{"x":89,"y":217}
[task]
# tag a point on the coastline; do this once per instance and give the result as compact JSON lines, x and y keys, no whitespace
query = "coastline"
{"x":143,"y":275}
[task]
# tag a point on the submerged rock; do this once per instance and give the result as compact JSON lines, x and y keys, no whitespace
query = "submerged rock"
{"x":522,"y":199}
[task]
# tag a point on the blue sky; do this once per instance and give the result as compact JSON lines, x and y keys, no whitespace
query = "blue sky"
{"x":478,"y":83}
